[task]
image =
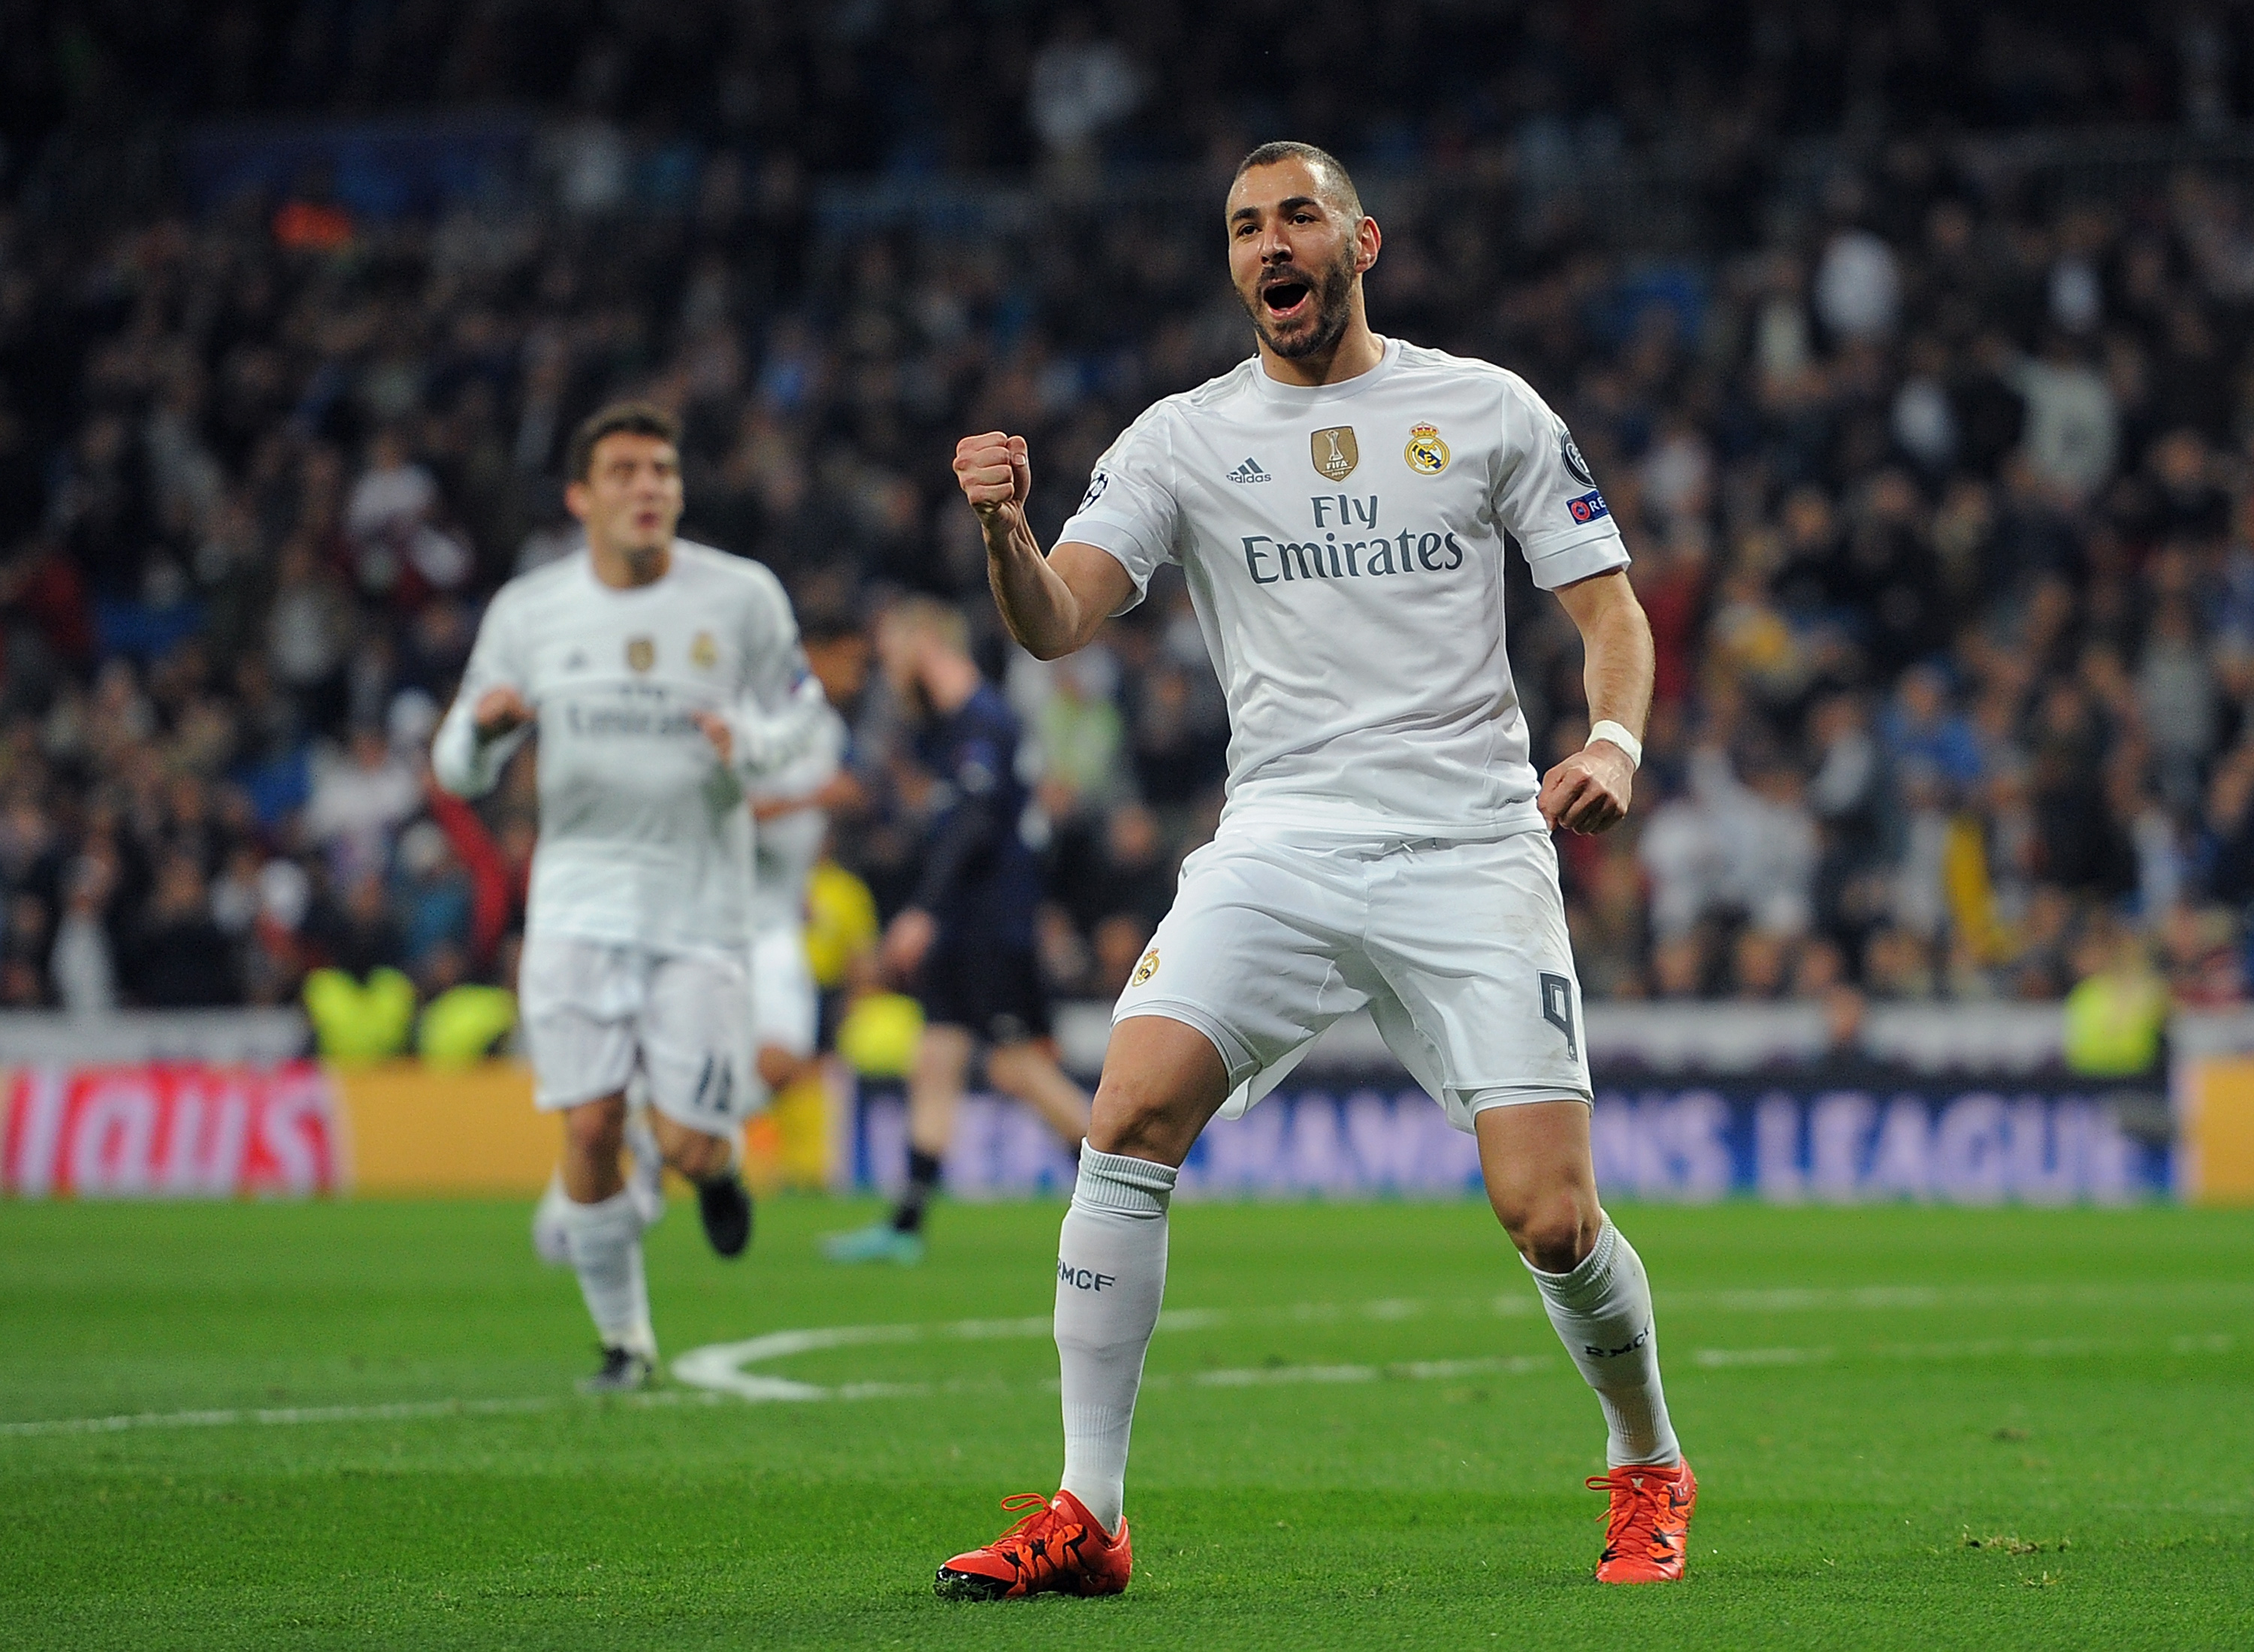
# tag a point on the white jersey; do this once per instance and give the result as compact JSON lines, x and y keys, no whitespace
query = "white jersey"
{"x":645,"y":840}
{"x":790,"y":844}
{"x":1344,"y":548}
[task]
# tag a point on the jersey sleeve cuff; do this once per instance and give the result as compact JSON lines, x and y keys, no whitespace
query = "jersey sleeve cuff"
{"x":1119,"y":542}
{"x":1554,"y":563}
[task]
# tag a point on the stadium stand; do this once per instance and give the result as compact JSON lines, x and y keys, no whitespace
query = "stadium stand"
{"x":1912,"y":347}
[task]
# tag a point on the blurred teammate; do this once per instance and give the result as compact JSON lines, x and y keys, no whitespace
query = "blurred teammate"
{"x":964,"y":941}
{"x":662,"y":676}
{"x":1339,"y":504}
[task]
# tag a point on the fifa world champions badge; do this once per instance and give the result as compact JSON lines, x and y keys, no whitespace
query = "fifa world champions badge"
{"x":1426,"y":453}
{"x":1334,"y":451}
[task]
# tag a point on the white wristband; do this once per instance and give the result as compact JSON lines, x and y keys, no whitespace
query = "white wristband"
{"x":1611,"y":731}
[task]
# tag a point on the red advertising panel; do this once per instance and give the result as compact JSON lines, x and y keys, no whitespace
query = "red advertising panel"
{"x":165,"y":1130}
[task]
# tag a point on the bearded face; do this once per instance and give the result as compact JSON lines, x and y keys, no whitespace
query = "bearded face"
{"x":1299,"y":311}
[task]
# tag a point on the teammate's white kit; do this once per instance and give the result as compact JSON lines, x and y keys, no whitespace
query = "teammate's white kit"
{"x":1344,"y":547}
{"x":640,"y":909}
{"x":786,"y":1005}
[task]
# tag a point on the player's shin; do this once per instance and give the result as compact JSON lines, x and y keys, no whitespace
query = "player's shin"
{"x":1111,"y":1275}
{"x":1602,"y":1314}
{"x":604,"y":1240}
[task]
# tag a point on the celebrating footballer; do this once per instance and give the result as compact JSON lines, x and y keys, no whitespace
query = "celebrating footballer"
{"x":1342,"y":505}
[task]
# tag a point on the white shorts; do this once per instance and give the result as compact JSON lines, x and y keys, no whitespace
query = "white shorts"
{"x":786,"y":1007}
{"x":595,"y":1012}
{"x":1458,"y":950}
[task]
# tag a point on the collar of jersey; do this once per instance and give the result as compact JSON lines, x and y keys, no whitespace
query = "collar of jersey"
{"x":1309,"y":394}
{"x":631,"y":593}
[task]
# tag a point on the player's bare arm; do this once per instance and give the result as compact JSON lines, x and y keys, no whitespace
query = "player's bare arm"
{"x":1589,"y":792}
{"x":1053,"y":604}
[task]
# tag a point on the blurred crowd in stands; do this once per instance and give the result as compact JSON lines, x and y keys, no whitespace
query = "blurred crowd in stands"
{"x":1938,"y":467}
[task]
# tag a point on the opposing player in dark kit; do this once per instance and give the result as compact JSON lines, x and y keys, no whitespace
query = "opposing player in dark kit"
{"x":964,"y":942}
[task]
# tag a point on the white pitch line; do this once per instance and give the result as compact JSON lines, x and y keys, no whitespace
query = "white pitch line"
{"x":1720,"y":1359}
{"x":1994,"y":1348}
{"x":716,"y":1372}
{"x":273,"y":1415}
{"x":1400,"y":1371}
{"x":1881,"y":1297}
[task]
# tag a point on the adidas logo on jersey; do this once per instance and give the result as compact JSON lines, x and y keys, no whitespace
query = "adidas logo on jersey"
{"x":1250,"y":471}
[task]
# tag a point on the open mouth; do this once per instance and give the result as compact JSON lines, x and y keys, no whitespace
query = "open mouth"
{"x":1284,"y":298}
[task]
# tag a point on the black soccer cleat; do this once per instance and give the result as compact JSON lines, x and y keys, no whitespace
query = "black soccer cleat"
{"x":624,"y":1372}
{"x":726,"y":1208}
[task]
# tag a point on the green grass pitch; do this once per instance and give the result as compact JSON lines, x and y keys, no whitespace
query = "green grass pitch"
{"x":1914,"y":1427}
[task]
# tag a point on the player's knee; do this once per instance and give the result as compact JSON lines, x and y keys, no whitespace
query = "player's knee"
{"x":593,"y":1129}
{"x":1141,"y":1123}
{"x":697,"y":1156}
{"x":1162,"y":1081}
{"x":779,"y":1067}
{"x":1552,"y":1231}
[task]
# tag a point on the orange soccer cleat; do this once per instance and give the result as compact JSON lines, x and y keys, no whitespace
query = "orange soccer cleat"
{"x":1057,"y":1546}
{"x":1648,"y":1529}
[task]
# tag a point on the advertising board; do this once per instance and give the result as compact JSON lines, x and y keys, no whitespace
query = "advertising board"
{"x":1953,"y":1143}
{"x":158,"y":1129}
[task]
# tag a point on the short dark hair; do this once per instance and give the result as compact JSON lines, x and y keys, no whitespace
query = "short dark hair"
{"x":819,"y":622}
{"x":1338,"y":186}
{"x":630,"y":418}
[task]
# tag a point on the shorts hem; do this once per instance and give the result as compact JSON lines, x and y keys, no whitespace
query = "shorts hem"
{"x":543,"y":1101}
{"x":703,"y":1126}
{"x":1474,"y":1101}
{"x":1236,"y":1057}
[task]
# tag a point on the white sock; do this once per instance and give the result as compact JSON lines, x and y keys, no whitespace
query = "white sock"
{"x":1111,"y":1272}
{"x":606,"y":1246}
{"x":645,"y":1181}
{"x":1602,"y":1314}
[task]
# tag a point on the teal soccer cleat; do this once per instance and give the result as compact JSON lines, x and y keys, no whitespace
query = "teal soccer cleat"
{"x":879,"y":1242}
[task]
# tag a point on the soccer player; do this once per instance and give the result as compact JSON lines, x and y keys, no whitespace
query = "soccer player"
{"x":663,"y":677}
{"x":964,"y":941}
{"x":1339,"y":504}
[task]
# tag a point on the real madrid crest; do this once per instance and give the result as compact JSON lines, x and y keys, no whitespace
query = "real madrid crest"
{"x":1145,"y":969}
{"x":641,"y":652}
{"x":703,"y":652}
{"x":1426,"y":453}
{"x":1335,"y":453}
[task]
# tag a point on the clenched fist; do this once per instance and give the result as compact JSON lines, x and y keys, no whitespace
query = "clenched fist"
{"x":994,"y":470}
{"x":715,"y":729}
{"x":500,"y":711}
{"x":1589,"y":791}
